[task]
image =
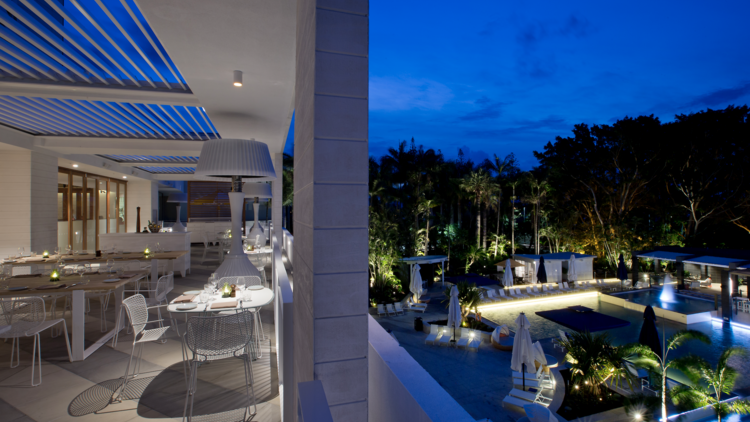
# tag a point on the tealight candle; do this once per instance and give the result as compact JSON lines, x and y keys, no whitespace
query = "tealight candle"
{"x":45,"y":254}
{"x":147,"y":251}
{"x":54,"y":276}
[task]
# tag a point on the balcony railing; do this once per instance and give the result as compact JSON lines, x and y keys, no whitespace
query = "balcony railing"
{"x":284,"y":326}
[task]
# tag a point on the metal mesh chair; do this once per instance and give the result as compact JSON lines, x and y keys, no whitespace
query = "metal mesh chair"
{"x":157,"y":298}
{"x":215,"y":338}
{"x":137,"y":311}
{"x":262,"y":271}
{"x":27,"y":317}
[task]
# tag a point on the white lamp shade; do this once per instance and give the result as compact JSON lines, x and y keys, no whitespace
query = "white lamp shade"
{"x":177,"y":197}
{"x":225,"y":158}
{"x":257,"y":190}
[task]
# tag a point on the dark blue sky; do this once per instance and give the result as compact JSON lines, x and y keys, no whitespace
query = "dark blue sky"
{"x":500,"y":77}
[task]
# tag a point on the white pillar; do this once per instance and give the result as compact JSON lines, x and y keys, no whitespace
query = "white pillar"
{"x":277,"y":190}
{"x":331,"y":203}
{"x":28,"y":210}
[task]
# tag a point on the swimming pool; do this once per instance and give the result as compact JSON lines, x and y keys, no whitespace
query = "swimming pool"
{"x":682,"y":304}
{"x":722,"y":335}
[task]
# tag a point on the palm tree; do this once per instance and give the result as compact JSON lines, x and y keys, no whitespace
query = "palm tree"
{"x":720,"y":379}
{"x":594,"y":361}
{"x":537,"y":192}
{"x":475,"y":253}
{"x":648,"y":359}
{"x":425,"y":207}
{"x":476,"y":183}
{"x":513,"y":184}
{"x":489,"y":197}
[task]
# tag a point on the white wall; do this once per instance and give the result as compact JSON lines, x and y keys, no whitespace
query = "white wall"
{"x":28,"y":210}
{"x":400,"y":390}
{"x":144,"y":194}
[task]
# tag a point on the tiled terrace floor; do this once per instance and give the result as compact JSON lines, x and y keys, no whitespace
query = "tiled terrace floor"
{"x":81,"y":391}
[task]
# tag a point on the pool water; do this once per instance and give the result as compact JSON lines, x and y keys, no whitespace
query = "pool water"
{"x":730,"y":418}
{"x":682,"y":304}
{"x":722,"y":335}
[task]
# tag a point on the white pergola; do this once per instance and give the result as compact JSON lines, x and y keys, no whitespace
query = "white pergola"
{"x":429,"y":259}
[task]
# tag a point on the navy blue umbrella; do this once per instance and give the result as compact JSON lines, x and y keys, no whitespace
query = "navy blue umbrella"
{"x":649,"y":336}
{"x":541,"y":274}
{"x":622,"y":271}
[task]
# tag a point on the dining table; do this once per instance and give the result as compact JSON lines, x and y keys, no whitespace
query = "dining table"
{"x":76,"y":286}
{"x":71,"y":259}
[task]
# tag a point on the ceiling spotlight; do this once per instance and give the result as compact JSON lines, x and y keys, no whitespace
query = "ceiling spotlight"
{"x":75,"y":165}
{"x":237,"y":78}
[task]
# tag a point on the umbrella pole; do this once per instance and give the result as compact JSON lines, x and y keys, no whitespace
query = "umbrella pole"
{"x":523,"y":376}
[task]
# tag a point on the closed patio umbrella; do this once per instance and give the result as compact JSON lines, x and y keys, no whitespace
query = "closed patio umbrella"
{"x":416,"y":283}
{"x":649,"y":335}
{"x":541,"y":274}
{"x":539,"y":353}
{"x":454,"y":312}
{"x":572,"y":274}
{"x":622,"y":271}
{"x":508,"y":276}
{"x":523,"y":349}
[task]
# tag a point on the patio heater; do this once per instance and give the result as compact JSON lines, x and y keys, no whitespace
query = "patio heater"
{"x":178,"y":198}
{"x":235,"y":159}
{"x":257,"y":191}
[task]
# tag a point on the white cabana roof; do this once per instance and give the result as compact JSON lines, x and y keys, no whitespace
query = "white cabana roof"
{"x":429,"y":259}
{"x":560,"y":256}
{"x":662,"y":255}
{"x":714,"y":261}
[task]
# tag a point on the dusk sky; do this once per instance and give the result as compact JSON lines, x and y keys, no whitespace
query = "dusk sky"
{"x":501,"y":77}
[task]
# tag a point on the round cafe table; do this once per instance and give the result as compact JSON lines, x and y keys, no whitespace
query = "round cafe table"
{"x":4,"y":328}
{"x":551,"y":361}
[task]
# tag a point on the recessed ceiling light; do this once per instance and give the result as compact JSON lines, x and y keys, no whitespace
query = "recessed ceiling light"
{"x":75,"y":165}
{"x":237,"y":78}
{"x":124,"y":177}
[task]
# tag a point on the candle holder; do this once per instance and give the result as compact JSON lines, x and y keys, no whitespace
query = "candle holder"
{"x":45,"y":254}
{"x":147,"y":252}
{"x":54,"y":276}
{"x":226,"y":291}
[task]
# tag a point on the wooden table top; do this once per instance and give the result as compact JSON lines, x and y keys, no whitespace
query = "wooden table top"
{"x":95,"y":282}
{"x":124,"y":256}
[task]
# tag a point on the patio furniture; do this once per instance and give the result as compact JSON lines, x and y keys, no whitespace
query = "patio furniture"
{"x":435,"y":334}
{"x":557,"y":342}
{"x":519,"y":294}
{"x":531,"y":396}
{"x":562,"y":288}
{"x":215,"y":338}
{"x":515,"y":401}
{"x":501,"y":292}
{"x":157,"y":298}
{"x":465,"y":338}
{"x":538,"y":292}
{"x":381,"y":309}
{"x":530,"y":293}
{"x":390,"y":310}
{"x":549,"y":290}
{"x":474,"y":340}
{"x":446,"y":337}
{"x":398,"y":308}
{"x":137,"y":311}
{"x":26,"y":317}
{"x":420,"y":307}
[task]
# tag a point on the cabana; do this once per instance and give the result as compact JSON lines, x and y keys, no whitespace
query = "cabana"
{"x":554,"y":264}
{"x":428,"y":259}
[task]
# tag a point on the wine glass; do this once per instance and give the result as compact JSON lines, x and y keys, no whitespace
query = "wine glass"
{"x":87,"y":266}
{"x":57,"y":250}
{"x":81,"y":269}
{"x":110,"y":264}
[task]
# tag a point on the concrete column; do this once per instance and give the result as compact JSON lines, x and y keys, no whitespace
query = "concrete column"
{"x":144,"y":194}
{"x":330,"y":203}
{"x":28,"y":211}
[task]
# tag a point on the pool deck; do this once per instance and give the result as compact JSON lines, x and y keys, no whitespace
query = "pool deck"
{"x":477,"y":380}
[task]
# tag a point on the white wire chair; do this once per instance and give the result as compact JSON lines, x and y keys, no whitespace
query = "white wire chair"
{"x":247,"y":281}
{"x":157,"y":298}
{"x":27,"y":317}
{"x":215,"y":338}
{"x":137,"y":312}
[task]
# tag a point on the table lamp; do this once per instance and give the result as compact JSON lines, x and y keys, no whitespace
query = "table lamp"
{"x":178,"y":198}
{"x":257,"y":191}
{"x":235,"y":159}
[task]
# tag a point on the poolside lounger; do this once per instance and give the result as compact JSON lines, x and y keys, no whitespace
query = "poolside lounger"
{"x":549,"y":291}
{"x":562,"y":288}
{"x":538,"y":292}
{"x":502,"y":295}
{"x":381,"y":309}
{"x":557,"y":342}
{"x":464,"y":340}
{"x":519,"y":294}
{"x":515,"y":401}
{"x":494,"y":296}
{"x":446,"y":337}
{"x":474,"y":341}
{"x":531,"y":396}
{"x":486,"y":297}
{"x":399,"y":309}
{"x":434,"y":335}
{"x":390,"y":310}
{"x":572,"y":289}
{"x":421,"y":307}
{"x":512,"y":293}
{"x":530,"y":293}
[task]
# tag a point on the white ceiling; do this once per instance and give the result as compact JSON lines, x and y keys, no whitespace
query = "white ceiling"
{"x":208,"y":40}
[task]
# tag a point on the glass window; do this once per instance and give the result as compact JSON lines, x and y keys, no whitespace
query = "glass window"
{"x":112,"y":208}
{"x":121,"y":207}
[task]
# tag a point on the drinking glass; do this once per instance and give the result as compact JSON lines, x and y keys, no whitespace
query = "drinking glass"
{"x":204,"y":296}
{"x":57,"y":250}
{"x":110,"y":264}
{"x":120,"y":271}
{"x":87,"y":266}
{"x":80,"y":269}
{"x":33,"y":253}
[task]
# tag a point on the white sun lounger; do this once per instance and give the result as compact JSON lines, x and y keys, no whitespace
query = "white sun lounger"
{"x":531,"y":397}
{"x":464,"y":340}
{"x":549,"y":290}
{"x":530,"y":293}
{"x":390,"y":310}
{"x":502,"y":295}
{"x":519,"y":294}
{"x":540,"y":293}
{"x":474,"y":341}
{"x":434,"y":335}
{"x":381,"y":309}
{"x":563,"y":288}
{"x":515,"y":401}
{"x":399,"y":309}
{"x":447,"y":335}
